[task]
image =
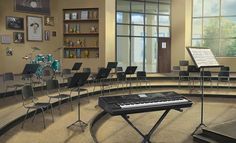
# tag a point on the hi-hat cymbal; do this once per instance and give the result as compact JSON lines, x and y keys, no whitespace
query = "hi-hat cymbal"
{"x":35,"y":48}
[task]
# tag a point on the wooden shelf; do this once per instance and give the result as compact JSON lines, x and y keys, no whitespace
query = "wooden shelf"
{"x":82,"y":20}
{"x":90,"y":33}
{"x":78,"y":47}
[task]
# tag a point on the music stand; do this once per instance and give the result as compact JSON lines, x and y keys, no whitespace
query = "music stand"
{"x":76,"y":66}
{"x":129,"y":71}
{"x":76,"y":82}
{"x":103,"y":73}
{"x":29,"y":70}
{"x":202,"y":58}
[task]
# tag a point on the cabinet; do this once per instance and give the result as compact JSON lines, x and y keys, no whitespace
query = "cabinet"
{"x":81,"y":36}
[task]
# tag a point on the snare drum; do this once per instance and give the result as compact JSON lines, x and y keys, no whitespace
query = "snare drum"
{"x":56,"y":66}
{"x":49,"y":58}
{"x":39,"y":58}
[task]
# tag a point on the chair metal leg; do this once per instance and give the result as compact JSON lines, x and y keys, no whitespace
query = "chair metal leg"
{"x":43,"y":118}
{"x":34,"y":115}
{"x":25,"y":118}
{"x":52,"y":112}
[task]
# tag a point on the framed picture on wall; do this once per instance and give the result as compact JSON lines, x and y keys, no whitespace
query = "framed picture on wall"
{"x":46,"y":35}
{"x":33,"y":6}
{"x":48,"y":21}
{"x":18,"y":37}
{"x":14,"y":23}
{"x":34,"y":28}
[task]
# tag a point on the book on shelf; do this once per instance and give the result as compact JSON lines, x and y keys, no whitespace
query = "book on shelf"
{"x":67,"y":16}
{"x":77,"y":28}
{"x":84,"y":14}
{"x":66,"y":28}
{"x":78,"y":53}
{"x":74,"y":16}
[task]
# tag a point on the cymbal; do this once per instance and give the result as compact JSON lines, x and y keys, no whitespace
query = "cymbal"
{"x":35,"y":48}
{"x":25,"y":57}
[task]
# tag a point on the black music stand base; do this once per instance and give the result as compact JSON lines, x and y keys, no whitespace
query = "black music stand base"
{"x":146,"y":138}
{"x":198,"y":127}
{"x":81,"y":124}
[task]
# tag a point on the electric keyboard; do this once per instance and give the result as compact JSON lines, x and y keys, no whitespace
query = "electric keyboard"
{"x":137,"y":103}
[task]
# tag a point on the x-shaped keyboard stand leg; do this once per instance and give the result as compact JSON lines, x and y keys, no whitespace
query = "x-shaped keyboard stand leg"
{"x":146,"y":138}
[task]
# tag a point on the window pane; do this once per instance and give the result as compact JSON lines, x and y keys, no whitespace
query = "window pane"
{"x":211,"y":7}
{"x":122,"y":17}
{"x":151,"y":19}
{"x":137,"y":52}
{"x":197,"y":8}
{"x":137,"y":7}
{"x":197,"y":43}
{"x":123,"y":51}
{"x":228,"y":7}
{"x":151,"y":8}
{"x":164,"y":8}
{"x":164,"y":20}
{"x":228,"y":48}
{"x":123,"y":5}
{"x":151,"y":31}
{"x":164,"y":32}
{"x":164,"y":1}
{"x":151,"y":54}
{"x":137,"y":31}
{"x":137,"y":18}
{"x":211,"y":28}
{"x":213,"y":44}
{"x":197,"y":28}
{"x":228,"y":27}
{"x":122,"y":29}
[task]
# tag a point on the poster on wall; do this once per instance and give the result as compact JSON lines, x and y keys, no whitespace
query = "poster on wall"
{"x":18,"y":37}
{"x":34,"y":28}
{"x":33,"y":6}
{"x":15,"y":23}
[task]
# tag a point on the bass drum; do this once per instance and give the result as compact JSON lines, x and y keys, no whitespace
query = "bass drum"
{"x":47,"y":73}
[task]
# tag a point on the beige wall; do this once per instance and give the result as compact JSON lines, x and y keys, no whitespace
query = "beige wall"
{"x":106,"y":35}
{"x":15,"y":63}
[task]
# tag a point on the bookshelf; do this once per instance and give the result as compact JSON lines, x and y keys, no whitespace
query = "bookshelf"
{"x":81,"y":36}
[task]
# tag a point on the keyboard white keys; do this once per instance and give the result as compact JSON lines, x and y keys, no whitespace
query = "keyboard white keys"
{"x":153,"y":103}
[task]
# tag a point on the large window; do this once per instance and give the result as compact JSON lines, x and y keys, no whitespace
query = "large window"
{"x":214,"y":26}
{"x":138,"y":26}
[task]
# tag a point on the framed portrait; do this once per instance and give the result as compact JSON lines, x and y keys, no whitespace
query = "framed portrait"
{"x":48,"y":21}
{"x":34,"y":28}
{"x":18,"y":37}
{"x":14,"y":23}
{"x":33,"y":6}
{"x":46,"y":35}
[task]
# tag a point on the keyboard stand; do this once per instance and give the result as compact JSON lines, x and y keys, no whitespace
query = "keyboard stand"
{"x":146,"y":138}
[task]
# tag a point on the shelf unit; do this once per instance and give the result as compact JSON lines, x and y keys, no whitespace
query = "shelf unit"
{"x":81,"y":37}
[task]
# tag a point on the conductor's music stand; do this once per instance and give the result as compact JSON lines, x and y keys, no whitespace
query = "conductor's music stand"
{"x":129,"y":71}
{"x":76,"y":82}
{"x":202,"y":58}
{"x":29,"y":70}
{"x":76,"y":66}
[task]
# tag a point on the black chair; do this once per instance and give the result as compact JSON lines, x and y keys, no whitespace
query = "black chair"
{"x":225,"y":69}
{"x":194,"y":74}
{"x":30,"y":102}
{"x":223,"y":76}
{"x":52,"y":86}
{"x":206,"y":76}
{"x":66,"y":73}
{"x":121,"y":79}
{"x":183,"y":76}
{"x":119,"y":69}
{"x":142,"y":77}
{"x":10,"y":83}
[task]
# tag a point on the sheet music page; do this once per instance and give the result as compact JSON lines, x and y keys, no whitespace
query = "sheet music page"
{"x":203,"y":57}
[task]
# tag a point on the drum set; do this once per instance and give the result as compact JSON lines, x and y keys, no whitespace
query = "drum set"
{"x":48,"y":65}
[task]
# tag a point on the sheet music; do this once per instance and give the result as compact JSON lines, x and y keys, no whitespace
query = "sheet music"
{"x":203,"y":57}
